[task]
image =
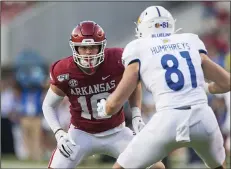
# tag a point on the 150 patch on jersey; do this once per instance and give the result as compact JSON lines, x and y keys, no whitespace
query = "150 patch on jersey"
{"x":63,"y":77}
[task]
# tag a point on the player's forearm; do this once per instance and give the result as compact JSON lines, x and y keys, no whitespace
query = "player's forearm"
{"x":50,"y":102}
{"x":214,"y":88}
{"x":221,"y":86}
{"x":112,"y":107}
{"x":125,"y":88}
{"x":117,"y":99}
{"x":135,"y":101}
{"x":215,"y":73}
{"x":136,"y":96}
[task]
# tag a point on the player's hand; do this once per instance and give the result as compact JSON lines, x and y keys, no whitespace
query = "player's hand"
{"x":138,"y":124}
{"x":137,"y":121}
{"x":101,"y":106}
{"x":66,"y":146}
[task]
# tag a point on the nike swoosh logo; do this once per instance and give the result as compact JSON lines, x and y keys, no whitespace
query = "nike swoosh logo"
{"x":103,"y":78}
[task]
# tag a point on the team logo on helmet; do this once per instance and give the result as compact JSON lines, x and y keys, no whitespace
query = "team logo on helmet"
{"x":73,"y":83}
{"x":157,"y":25}
{"x":163,"y":25}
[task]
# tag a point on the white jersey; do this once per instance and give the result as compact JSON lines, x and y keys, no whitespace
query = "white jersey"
{"x":170,"y":67}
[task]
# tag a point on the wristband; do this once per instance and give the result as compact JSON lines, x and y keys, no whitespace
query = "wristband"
{"x":136,"y":112}
{"x":206,"y":87}
{"x":58,"y":130}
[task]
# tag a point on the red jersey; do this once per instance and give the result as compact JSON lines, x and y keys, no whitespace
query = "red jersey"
{"x":84,"y":91}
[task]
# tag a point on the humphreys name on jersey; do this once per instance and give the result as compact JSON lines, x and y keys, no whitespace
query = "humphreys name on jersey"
{"x":169,"y":47}
{"x":93,"y":89}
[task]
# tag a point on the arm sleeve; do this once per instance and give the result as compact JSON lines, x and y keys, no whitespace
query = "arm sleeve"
{"x":130,"y":54}
{"x":199,"y":44}
{"x":50,"y":102}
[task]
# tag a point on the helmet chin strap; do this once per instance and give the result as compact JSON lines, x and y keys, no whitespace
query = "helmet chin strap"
{"x":137,"y":35}
{"x":178,"y":29}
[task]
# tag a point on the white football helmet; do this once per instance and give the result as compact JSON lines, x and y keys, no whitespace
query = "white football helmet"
{"x":155,"y":21}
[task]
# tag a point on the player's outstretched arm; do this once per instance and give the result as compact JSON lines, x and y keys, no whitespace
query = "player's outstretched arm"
{"x":125,"y":88}
{"x":220,"y":77}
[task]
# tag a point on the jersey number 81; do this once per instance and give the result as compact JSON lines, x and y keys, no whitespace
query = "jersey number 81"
{"x":174,"y":69}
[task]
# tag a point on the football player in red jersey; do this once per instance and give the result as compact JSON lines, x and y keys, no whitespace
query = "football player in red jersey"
{"x":91,"y":74}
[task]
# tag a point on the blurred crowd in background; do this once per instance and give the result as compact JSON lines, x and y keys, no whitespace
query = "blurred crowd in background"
{"x":24,"y":131}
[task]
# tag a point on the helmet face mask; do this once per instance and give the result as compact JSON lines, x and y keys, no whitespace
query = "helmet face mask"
{"x":88,"y":33}
{"x":155,"y":21}
{"x":88,"y":61}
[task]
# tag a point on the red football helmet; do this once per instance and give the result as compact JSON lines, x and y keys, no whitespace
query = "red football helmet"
{"x":84,"y":34}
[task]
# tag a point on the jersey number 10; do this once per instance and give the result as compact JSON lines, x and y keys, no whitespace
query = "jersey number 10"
{"x":93,"y":101}
{"x":174,"y":69}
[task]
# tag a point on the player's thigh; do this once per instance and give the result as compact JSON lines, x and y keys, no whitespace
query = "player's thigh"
{"x":84,"y":142}
{"x":212,"y":151}
{"x":148,"y":146}
{"x":207,"y":141}
{"x":116,"y":143}
{"x":57,"y":160}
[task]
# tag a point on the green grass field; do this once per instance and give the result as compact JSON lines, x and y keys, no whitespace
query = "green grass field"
{"x":92,"y":162}
{"x":12,"y":162}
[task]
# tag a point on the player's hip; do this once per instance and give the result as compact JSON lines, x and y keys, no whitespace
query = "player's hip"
{"x":98,"y":126}
{"x":180,"y":105}
{"x":100,"y":133}
{"x":179,"y":122}
{"x":186,"y":116}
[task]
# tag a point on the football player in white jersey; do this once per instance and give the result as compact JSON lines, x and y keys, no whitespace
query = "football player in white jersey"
{"x":173,"y":67}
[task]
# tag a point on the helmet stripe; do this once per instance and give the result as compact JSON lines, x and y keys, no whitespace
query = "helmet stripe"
{"x":158,"y":11}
